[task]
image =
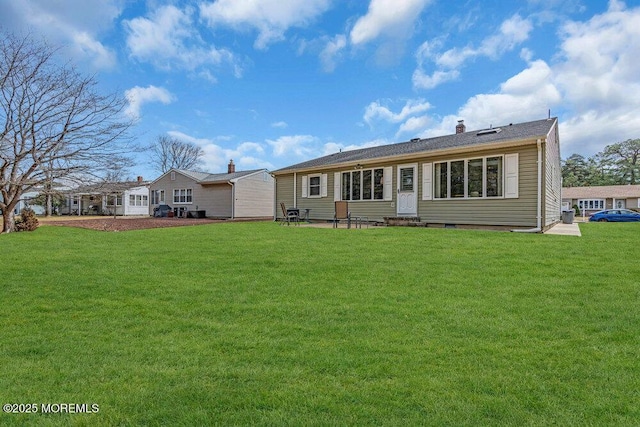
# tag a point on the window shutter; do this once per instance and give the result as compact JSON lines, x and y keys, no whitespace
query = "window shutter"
{"x":305,"y":187}
{"x":323,"y":185}
{"x":427,"y":181}
{"x":336,"y":187}
{"x":511,"y":176}
{"x":388,"y":181}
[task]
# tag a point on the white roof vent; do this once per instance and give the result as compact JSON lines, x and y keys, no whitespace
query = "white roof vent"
{"x":489,"y":131}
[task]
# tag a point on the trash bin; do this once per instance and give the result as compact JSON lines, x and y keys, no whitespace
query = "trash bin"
{"x":567,"y":217}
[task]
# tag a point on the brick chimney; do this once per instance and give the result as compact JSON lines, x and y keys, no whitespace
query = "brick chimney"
{"x":231,"y":168}
{"x":460,"y":127}
{"x":140,"y":179}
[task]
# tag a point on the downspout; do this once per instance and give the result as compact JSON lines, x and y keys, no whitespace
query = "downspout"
{"x":539,"y":195}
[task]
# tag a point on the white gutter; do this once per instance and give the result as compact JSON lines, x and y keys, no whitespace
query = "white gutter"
{"x":539,"y":196}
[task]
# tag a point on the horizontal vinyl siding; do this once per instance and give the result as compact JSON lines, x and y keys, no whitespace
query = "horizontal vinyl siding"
{"x":215,"y":199}
{"x":165,"y":183}
{"x":512,"y":212}
{"x":552,"y":180}
{"x":322,"y":208}
{"x":254,"y":196}
{"x":284,"y":193}
{"x":519,"y":211}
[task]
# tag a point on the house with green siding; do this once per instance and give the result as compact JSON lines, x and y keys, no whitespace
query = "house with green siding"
{"x":503,"y":176}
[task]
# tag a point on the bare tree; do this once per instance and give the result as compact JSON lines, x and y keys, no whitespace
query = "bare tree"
{"x":54,"y":124}
{"x":171,"y":153}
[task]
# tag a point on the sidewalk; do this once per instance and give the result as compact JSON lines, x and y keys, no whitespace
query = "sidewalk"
{"x":565,"y":229}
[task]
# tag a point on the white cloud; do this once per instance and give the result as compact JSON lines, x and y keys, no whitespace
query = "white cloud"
{"x":74,"y":24}
{"x":293,"y":145}
{"x":414,"y":125}
{"x":167,"y":39}
{"x":331,"y":51}
{"x":279,"y":125}
{"x":377,"y":111}
{"x":598,"y":76}
{"x":424,"y":81}
{"x":246,"y":155}
{"x":387,"y":17}
{"x":272,"y":18}
{"x":334,"y":147}
{"x":138,"y":96}
{"x":592,"y":86}
{"x":512,"y":32}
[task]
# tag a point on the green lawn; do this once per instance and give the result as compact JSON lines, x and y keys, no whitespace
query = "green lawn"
{"x":253,"y":323}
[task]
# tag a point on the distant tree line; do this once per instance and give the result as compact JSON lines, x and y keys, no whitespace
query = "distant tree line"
{"x":617,"y":164}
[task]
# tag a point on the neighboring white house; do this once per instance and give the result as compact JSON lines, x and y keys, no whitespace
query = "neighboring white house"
{"x":27,"y":201}
{"x":122,"y":198}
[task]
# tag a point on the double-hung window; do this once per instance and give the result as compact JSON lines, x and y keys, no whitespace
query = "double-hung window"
{"x":314,"y":185}
{"x":469,"y":178}
{"x":183,"y":195}
{"x":365,"y":184}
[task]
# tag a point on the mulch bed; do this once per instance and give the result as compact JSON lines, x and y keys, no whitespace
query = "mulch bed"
{"x":125,"y":224}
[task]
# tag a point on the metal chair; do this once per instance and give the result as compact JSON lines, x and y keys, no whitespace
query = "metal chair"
{"x":289,"y":215}
{"x":341,"y":212}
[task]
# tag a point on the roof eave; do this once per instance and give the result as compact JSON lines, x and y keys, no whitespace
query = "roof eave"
{"x":438,"y":152}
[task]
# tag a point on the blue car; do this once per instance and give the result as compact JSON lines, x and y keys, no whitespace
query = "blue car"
{"x":615,"y":215}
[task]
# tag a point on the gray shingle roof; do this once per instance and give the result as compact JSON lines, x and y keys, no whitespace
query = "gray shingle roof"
{"x":212,"y":178}
{"x":508,"y":133}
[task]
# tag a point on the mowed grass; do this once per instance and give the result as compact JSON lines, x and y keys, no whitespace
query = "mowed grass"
{"x":256,"y":324}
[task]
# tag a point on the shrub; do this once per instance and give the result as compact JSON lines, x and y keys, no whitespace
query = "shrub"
{"x":27,"y":220}
{"x":576,"y":209}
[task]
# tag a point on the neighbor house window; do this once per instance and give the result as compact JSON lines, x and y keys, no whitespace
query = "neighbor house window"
{"x":363,"y":184}
{"x":314,"y":185}
{"x":183,"y":195}
{"x":591,"y":204}
{"x":469,"y":178}
{"x":157,"y":197}
{"x":138,"y":200}
{"x":119,"y":200}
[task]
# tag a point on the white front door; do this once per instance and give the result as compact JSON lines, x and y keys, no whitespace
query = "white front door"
{"x":407,"y":190}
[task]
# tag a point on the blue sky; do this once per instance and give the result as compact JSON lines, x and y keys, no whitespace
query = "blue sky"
{"x":271,"y":83}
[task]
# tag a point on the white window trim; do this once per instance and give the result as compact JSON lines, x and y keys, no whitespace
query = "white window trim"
{"x":592,"y":202}
{"x":337,"y":185}
{"x":155,"y":199}
{"x":308,"y":186}
{"x":186,"y":190}
{"x":466,"y":179}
